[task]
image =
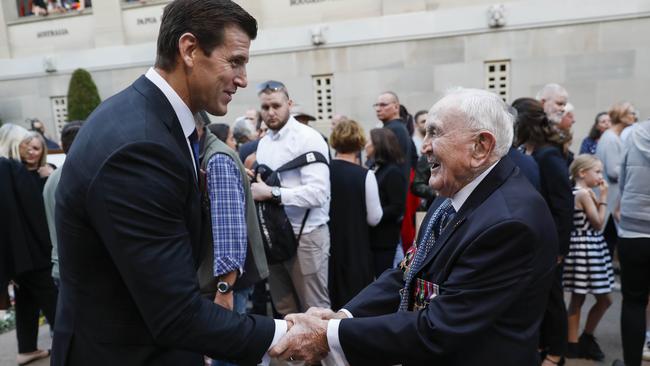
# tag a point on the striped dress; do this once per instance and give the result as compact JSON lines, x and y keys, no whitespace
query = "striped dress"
{"x":588,"y":265}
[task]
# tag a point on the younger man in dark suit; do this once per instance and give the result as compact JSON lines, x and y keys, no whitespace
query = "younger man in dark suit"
{"x":129,"y":215}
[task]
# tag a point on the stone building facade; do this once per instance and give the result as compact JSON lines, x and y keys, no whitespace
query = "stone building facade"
{"x":335,"y":56}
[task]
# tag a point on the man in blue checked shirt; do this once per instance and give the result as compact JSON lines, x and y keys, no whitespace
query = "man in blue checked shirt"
{"x":232,"y":256}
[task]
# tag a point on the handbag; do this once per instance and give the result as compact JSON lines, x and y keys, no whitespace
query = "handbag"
{"x":280,"y":242}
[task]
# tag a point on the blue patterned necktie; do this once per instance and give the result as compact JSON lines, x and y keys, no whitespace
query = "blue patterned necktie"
{"x":441,"y":217}
{"x":194,"y":142}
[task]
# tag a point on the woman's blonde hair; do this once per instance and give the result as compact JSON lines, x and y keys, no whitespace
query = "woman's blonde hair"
{"x":35,"y":135}
{"x":347,"y":137}
{"x":582,"y":162}
{"x":11,"y":136}
{"x":619,"y":110}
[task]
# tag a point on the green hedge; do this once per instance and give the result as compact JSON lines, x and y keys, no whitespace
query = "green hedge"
{"x":8,"y":322}
{"x":83,"y":97}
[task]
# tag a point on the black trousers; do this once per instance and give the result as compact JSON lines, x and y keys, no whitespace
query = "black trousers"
{"x":634,"y":255}
{"x":554,"y":329}
{"x":35,"y":291}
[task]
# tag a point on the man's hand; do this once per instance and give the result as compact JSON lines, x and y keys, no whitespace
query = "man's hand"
{"x":260,"y":190}
{"x":224,"y":300}
{"x":325,"y":314}
{"x":306,"y":340}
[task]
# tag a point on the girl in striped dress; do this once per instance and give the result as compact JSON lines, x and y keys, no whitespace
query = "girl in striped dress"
{"x":588,"y":265}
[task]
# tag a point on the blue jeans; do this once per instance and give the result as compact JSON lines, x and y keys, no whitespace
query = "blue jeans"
{"x":240,"y":300}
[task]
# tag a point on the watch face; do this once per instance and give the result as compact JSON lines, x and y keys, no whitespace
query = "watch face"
{"x":275,"y":192}
{"x":223,"y":287}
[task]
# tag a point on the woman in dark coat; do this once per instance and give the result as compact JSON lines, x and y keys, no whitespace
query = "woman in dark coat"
{"x":354,"y":208}
{"x":537,"y":136}
{"x":26,"y":246}
{"x":385,"y":151}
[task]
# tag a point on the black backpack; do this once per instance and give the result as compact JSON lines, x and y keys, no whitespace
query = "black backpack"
{"x":280,"y":243}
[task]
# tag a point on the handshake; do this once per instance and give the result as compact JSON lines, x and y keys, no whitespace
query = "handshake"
{"x":306,"y":337}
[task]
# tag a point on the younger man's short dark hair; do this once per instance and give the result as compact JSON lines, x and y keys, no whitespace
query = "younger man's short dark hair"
{"x":205,"y":19}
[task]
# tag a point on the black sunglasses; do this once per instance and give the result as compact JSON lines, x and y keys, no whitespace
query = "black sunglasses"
{"x":271,"y":85}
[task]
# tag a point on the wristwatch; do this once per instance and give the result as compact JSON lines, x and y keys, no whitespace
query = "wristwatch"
{"x":276,"y":194}
{"x":223,"y":287}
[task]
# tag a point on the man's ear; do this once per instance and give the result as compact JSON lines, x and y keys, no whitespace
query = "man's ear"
{"x":483,"y":148}
{"x":188,"y":46}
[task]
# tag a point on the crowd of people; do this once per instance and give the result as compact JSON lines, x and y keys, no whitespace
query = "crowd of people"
{"x":47,"y":7}
{"x":162,"y":228}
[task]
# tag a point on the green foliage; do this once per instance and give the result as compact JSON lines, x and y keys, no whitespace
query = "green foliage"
{"x":83,"y":97}
{"x":8,"y":322}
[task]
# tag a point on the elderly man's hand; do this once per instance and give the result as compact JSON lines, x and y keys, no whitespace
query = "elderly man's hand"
{"x":306,"y":340}
{"x":325,"y":314}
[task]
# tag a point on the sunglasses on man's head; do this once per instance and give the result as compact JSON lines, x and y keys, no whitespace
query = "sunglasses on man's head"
{"x":270,"y":85}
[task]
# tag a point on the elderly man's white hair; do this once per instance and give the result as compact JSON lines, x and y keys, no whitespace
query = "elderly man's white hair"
{"x":484,"y":111}
{"x":550,"y":90}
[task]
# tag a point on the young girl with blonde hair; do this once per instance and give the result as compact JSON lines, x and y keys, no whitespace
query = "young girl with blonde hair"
{"x":588,"y":265}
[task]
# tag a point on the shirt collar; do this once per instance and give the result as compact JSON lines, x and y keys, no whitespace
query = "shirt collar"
{"x":276,"y":135}
{"x":461,"y":196}
{"x":185,"y":116}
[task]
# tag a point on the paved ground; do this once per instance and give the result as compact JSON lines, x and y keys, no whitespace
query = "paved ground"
{"x":608,"y":334}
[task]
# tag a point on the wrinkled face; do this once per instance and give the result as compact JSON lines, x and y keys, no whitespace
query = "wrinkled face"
{"x":554,"y":106}
{"x":386,"y":108}
{"x":275,"y":108}
{"x":420,"y":122}
{"x":448,"y":145}
{"x":604,"y":122}
{"x":214,"y":79}
{"x":31,"y":152}
{"x":370,"y":149}
{"x":567,"y":121}
{"x":593,"y":176}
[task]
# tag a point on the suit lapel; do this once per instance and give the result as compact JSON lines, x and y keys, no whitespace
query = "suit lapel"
{"x":164,"y":112}
{"x":492,"y":181}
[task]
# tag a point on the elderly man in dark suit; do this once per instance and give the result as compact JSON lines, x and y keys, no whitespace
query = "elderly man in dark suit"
{"x":474,"y":290}
{"x":129,"y":214}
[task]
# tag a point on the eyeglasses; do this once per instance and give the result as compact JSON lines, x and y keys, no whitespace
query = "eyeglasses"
{"x":381,"y":105}
{"x":271,"y":85}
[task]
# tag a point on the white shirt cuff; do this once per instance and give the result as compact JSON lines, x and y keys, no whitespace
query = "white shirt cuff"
{"x":280,"y":331}
{"x":336,"y":355}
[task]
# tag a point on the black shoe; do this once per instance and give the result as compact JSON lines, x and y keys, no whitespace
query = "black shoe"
{"x":573,"y":351}
{"x":589,"y":348}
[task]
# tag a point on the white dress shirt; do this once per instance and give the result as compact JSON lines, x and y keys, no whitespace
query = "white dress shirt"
{"x":336,"y":356}
{"x":183,"y":113}
{"x":305,"y":187}
{"x":186,"y":118}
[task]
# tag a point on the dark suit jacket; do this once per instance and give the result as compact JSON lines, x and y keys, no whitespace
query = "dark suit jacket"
{"x":494,"y":263}
{"x":128,"y":221}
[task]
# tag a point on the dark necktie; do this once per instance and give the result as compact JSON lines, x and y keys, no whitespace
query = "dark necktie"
{"x":441,"y":217}
{"x":194,"y":142}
